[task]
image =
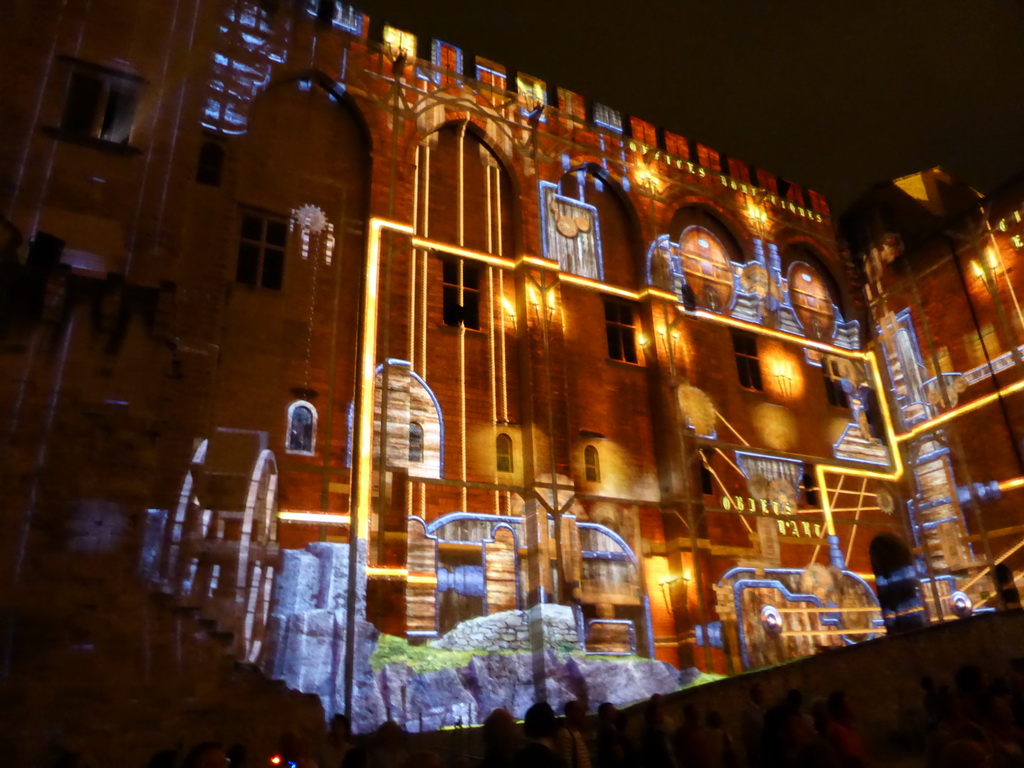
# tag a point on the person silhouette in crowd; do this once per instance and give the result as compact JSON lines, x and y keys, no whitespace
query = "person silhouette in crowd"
{"x":501,"y":739}
{"x":209,"y":754}
{"x":752,"y":725}
{"x":572,"y":745}
{"x":656,"y":750}
{"x":612,"y":748}
{"x":337,"y":744}
{"x":539,"y":725}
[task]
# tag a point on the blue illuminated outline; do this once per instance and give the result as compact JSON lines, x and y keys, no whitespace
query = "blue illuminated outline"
{"x":436,"y":47}
{"x":606,"y":117}
{"x":554,"y":190}
{"x":614,"y":622}
{"x":288,"y":428}
{"x":396,"y":363}
{"x":612,"y":535}
{"x":846,"y":429}
{"x":826,"y":619}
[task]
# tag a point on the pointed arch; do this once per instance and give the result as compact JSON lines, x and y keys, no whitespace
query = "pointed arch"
{"x":589,"y":226}
{"x":415,"y":423}
{"x":460,"y":171}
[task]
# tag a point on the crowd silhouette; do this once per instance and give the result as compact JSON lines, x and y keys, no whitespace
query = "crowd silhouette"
{"x":974,"y":720}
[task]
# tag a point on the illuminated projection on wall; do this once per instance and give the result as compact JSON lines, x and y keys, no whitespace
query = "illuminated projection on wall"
{"x":700,"y":272}
{"x":571,"y":227}
{"x":251,"y":44}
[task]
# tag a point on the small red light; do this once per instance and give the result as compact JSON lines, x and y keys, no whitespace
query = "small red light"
{"x":275,"y":760}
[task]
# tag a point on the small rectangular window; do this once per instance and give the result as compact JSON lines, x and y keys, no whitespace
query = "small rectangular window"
{"x":748,"y":363}
{"x":461,"y":293}
{"x":621,"y":330}
{"x":99,"y":104}
{"x":261,"y":246}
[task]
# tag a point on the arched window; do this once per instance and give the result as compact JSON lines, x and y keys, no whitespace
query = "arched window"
{"x":301,"y":428}
{"x":503,"y":450}
{"x":415,"y":443}
{"x":211,"y":163}
{"x":592,"y":464}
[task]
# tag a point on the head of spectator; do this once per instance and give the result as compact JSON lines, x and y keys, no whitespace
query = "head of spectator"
{"x":357,"y":757}
{"x":794,"y":700}
{"x":540,"y":721}
{"x":209,"y":754}
{"x":756,"y":695}
{"x":575,"y":714}
{"x":500,"y":733}
{"x":424,"y":759}
{"x":715,"y":720}
{"x":607,"y":714}
{"x":340,"y":731}
{"x":691,"y":717}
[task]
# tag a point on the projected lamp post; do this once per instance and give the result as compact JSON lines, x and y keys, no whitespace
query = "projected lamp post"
{"x":670,"y":331}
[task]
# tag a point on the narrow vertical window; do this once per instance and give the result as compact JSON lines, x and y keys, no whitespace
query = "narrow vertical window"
{"x":415,"y":443}
{"x":748,"y":364}
{"x":301,"y":428}
{"x":809,"y":487}
{"x":592,"y":464}
{"x":834,"y":385}
{"x":461,"y":294}
{"x":211,"y":163}
{"x":621,"y":331}
{"x":503,"y":451}
{"x":706,"y":480}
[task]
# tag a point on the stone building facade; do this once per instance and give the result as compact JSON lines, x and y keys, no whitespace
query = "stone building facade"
{"x":356,"y":348}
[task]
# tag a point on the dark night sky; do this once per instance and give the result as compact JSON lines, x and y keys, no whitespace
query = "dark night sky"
{"x":832,"y":94}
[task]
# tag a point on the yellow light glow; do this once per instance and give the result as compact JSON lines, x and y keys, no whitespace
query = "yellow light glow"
{"x":586,"y":282}
{"x":387,"y":573}
{"x":454,"y":250}
{"x":1009,"y":485}
{"x":509,"y":309}
{"x":950,"y":415}
{"x":533,"y":261}
{"x":425,"y":579}
{"x":324,"y":518}
{"x":642,"y":339}
{"x":363,"y":460}
{"x":976,"y":269}
{"x":770,"y":332}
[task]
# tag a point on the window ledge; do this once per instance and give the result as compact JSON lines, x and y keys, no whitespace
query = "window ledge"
{"x":453,"y":329}
{"x":111,"y":147}
{"x":624,"y":364}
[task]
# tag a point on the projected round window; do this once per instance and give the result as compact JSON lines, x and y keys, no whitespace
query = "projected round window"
{"x":706,"y":268}
{"x":962,"y":605}
{"x":811,"y":300}
{"x":771,"y":620}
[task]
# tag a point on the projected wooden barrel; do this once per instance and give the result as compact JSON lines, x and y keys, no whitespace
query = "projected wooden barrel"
{"x":811,"y":300}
